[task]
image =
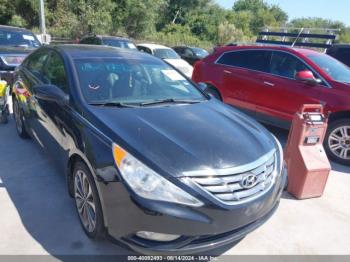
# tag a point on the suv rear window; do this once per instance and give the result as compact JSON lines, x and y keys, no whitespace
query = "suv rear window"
{"x":251,"y":59}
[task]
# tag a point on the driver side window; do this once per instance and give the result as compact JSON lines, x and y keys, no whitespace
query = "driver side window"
{"x":54,"y":72}
{"x":286,"y":65}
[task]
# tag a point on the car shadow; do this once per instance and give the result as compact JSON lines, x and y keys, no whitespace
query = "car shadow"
{"x":40,"y":200}
{"x":40,"y":203}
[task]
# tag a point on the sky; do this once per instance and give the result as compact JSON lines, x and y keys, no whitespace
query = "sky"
{"x":328,"y":9}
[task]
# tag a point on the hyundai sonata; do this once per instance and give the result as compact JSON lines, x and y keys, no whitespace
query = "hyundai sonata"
{"x":150,"y":159}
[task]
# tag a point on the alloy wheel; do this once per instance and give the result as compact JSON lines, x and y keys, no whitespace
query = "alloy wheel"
{"x":339,"y":142}
{"x":85,"y":201}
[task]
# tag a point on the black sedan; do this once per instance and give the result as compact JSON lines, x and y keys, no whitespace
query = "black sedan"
{"x":150,"y":159}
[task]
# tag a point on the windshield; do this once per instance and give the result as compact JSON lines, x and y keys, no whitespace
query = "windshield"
{"x":15,"y":38}
{"x":335,"y":69}
{"x":119,"y":43}
{"x":166,"y":53}
{"x":132,"y":82}
{"x":200,"y":52}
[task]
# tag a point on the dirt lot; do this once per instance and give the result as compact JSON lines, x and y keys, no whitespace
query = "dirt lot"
{"x":38,"y":217}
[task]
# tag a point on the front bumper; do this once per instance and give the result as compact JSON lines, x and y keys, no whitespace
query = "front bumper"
{"x":201,"y":229}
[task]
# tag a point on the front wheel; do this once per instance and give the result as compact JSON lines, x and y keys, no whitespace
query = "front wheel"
{"x":87,"y":201}
{"x":337,"y":141}
{"x":19,"y":119}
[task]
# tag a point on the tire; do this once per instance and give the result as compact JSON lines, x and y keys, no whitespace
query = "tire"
{"x":337,"y":141}
{"x":87,"y":201}
{"x":19,"y":120}
{"x":215,"y":93}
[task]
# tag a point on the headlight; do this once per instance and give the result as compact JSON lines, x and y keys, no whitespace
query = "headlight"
{"x":279,"y":154}
{"x":147,"y":183}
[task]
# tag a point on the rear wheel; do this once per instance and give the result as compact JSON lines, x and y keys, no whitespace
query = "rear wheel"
{"x":19,"y":119}
{"x":87,"y":201}
{"x":337,"y":141}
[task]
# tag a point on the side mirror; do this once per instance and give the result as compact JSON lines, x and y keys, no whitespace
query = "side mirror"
{"x":51,"y":93}
{"x":203,"y":86}
{"x":307,"y":77}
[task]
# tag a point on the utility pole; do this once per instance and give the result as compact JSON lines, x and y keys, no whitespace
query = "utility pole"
{"x":42,"y":18}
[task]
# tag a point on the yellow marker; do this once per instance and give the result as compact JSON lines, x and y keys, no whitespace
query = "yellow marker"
{"x":119,"y":154}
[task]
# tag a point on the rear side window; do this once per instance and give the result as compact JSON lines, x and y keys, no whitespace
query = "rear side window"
{"x":258,"y":60}
{"x":144,"y":49}
{"x":35,"y":63}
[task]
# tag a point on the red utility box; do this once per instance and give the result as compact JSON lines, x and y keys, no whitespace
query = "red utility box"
{"x":306,"y":160}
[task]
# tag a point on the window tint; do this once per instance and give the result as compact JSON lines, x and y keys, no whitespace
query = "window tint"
{"x":15,"y":38}
{"x":179,"y":50}
{"x":188,"y":52}
{"x":91,"y":41}
{"x":144,"y":49}
{"x":35,"y":63}
{"x":286,"y":65}
{"x":253,"y":59}
{"x":166,"y":53}
{"x":119,"y":43}
{"x":54,"y":72}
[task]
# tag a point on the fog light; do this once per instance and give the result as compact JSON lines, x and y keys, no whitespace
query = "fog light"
{"x":156,"y":236}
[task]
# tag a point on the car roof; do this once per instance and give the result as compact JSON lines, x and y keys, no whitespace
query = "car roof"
{"x":14,"y":28}
{"x":153,"y":46}
{"x":304,"y":51}
{"x":76,"y":51}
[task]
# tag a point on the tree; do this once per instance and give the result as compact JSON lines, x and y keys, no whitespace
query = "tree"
{"x":260,"y":13}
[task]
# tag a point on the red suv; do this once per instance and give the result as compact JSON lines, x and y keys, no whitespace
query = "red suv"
{"x":271,"y":83}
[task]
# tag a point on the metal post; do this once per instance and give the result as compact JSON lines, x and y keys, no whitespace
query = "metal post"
{"x":42,"y":18}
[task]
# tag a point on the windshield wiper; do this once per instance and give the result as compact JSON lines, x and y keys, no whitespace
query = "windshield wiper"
{"x":111,"y":104}
{"x":169,"y":101}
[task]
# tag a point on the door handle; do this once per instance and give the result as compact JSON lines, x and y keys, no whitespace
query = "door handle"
{"x":227,"y":72}
{"x":269,"y":83}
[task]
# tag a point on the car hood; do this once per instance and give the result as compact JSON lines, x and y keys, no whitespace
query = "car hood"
{"x":178,"y":138}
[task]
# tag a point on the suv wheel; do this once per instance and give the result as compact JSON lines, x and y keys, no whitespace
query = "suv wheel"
{"x":212,"y":91}
{"x":19,"y":119}
{"x":87,"y":201}
{"x":337,"y":141}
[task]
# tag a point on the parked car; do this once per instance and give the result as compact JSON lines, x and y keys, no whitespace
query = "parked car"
{"x":168,"y":55}
{"x":271,"y":83}
{"x":191,"y":54}
{"x":340,"y":52}
{"x":150,"y":159}
{"x":15,"y":44}
{"x":113,"y":41}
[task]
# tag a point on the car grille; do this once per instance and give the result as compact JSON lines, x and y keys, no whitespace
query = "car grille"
{"x":242,"y":187}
